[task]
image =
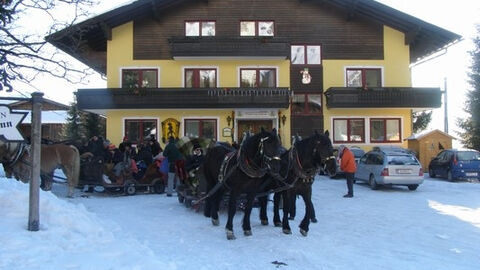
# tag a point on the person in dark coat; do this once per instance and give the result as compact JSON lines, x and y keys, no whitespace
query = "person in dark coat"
{"x":95,"y":146}
{"x":154,"y":146}
{"x":193,"y":161}
{"x":144,"y":153}
{"x":174,"y":157}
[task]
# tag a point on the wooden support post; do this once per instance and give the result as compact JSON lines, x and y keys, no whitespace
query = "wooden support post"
{"x":35,"y":154}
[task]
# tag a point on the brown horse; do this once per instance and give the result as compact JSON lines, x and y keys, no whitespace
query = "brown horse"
{"x":16,"y":160}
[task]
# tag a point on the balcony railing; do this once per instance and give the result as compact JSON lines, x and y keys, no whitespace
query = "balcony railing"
{"x":229,"y":47}
{"x":182,"y":98}
{"x":384,"y":97}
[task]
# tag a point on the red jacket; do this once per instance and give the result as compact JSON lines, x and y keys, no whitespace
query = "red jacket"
{"x":348,"y":161}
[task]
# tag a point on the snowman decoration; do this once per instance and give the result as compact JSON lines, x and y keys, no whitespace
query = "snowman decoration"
{"x":306,"y":78}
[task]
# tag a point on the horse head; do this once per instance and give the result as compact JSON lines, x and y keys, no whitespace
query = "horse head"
{"x":323,"y":152}
{"x":264,"y":150}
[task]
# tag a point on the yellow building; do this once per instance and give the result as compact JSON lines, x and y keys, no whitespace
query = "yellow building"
{"x":219,"y":68}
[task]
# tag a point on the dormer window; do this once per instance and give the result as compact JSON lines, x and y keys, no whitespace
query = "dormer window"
{"x":199,"y":28}
{"x":257,"y":28}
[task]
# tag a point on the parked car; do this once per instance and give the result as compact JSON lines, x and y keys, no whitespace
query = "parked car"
{"x":357,"y":153}
{"x":390,"y":167}
{"x":456,"y":164}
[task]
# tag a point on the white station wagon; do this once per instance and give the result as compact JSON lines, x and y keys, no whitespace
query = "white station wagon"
{"x":389,"y":167}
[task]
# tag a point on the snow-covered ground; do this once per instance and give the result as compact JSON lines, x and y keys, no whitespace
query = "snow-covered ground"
{"x":434,"y":227}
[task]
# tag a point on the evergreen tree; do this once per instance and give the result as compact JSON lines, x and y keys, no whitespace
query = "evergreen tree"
{"x":93,"y":125}
{"x":421,"y":120}
{"x":73,"y":129}
{"x":471,"y":124}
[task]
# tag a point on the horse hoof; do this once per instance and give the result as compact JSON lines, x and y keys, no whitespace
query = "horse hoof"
{"x":278,"y":224}
{"x":247,"y":233}
{"x":303,"y":232}
{"x":313,"y":220}
{"x":291,"y":218}
{"x":264,"y":222}
{"x":215,"y":222}
{"x":230,"y":235}
{"x":287,"y":231}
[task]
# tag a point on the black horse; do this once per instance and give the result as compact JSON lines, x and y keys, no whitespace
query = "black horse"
{"x":239,"y":172}
{"x":299,"y":165}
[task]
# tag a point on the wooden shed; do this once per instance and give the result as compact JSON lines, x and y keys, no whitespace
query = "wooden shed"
{"x":428,"y":144}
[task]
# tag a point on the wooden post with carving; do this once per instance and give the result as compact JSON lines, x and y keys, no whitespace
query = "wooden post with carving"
{"x":35,"y":154}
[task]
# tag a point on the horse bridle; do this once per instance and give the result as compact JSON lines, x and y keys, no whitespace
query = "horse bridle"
{"x":265,"y":158}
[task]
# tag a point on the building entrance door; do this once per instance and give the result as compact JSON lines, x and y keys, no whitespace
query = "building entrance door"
{"x":252,"y":126}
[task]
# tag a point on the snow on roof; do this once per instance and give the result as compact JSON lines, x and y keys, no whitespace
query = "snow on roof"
{"x":49,"y":117}
{"x":424,"y":133}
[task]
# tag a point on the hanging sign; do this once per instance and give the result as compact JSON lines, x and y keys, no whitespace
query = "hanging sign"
{"x":8,"y":124}
{"x":170,"y":128}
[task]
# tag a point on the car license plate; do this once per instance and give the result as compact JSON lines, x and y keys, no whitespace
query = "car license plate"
{"x":471,"y":174}
{"x":404,"y":171}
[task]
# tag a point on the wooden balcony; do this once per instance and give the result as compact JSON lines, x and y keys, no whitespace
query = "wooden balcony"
{"x":260,"y":47}
{"x":182,"y":98}
{"x":384,"y":97}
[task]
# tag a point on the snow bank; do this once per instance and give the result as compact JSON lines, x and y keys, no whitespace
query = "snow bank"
{"x":70,"y":237}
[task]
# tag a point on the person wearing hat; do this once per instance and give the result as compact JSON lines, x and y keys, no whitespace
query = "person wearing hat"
{"x":174,"y":157}
{"x":348,"y":166}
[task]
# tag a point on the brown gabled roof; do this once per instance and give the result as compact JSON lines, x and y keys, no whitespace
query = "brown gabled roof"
{"x":424,"y":38}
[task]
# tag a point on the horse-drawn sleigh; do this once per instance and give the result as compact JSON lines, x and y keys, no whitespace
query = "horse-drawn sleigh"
{"x":79,"y":171}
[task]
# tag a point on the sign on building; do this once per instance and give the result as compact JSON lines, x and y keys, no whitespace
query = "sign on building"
{"x":9,"y":122}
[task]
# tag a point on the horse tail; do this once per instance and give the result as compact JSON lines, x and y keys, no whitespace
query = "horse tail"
{"x":75,"y":167}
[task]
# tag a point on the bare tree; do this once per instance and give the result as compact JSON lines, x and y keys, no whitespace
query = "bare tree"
{"x":24,"y":52}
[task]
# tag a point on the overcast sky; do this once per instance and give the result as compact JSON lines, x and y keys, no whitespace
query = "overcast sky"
{"x":458,"y":16}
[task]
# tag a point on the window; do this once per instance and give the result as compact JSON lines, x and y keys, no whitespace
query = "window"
{"x":385,"y":130}
{"x":200,"y":78}
{"x":205,"y":128}
{"x":139,"y":130}
{"x":257,"y":28}
{"x":306,"y":54}
{"x":139,"y":78}
{"x":199,"y":28}
{"x":307,"y":104}
{"x":258,"y":78}
{"x":348,"y":130}
{"x":364,"y":77}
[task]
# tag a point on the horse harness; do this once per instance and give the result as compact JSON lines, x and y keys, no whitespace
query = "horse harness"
{"x":243,"y":162}
{"x":21,"y":149}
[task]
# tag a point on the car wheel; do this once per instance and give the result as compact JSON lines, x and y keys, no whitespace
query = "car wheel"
{"x":412,"y":187}
{"x":431,"y":173}
{"x":372,"y":182}
{"x":450,"y":176}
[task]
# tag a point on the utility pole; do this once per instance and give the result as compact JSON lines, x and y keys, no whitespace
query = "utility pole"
{"x":445,"y":100}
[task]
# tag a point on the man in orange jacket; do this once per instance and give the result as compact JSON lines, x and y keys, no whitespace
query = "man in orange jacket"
{"x":348,"y":166}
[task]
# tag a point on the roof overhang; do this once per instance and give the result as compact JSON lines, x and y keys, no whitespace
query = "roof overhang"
{"x":87,"y":41}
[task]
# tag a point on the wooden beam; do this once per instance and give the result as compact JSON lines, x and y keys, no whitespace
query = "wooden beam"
{"x":411,"y":35}
{"x":106,"y":29}
{"x":352,"y":9}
